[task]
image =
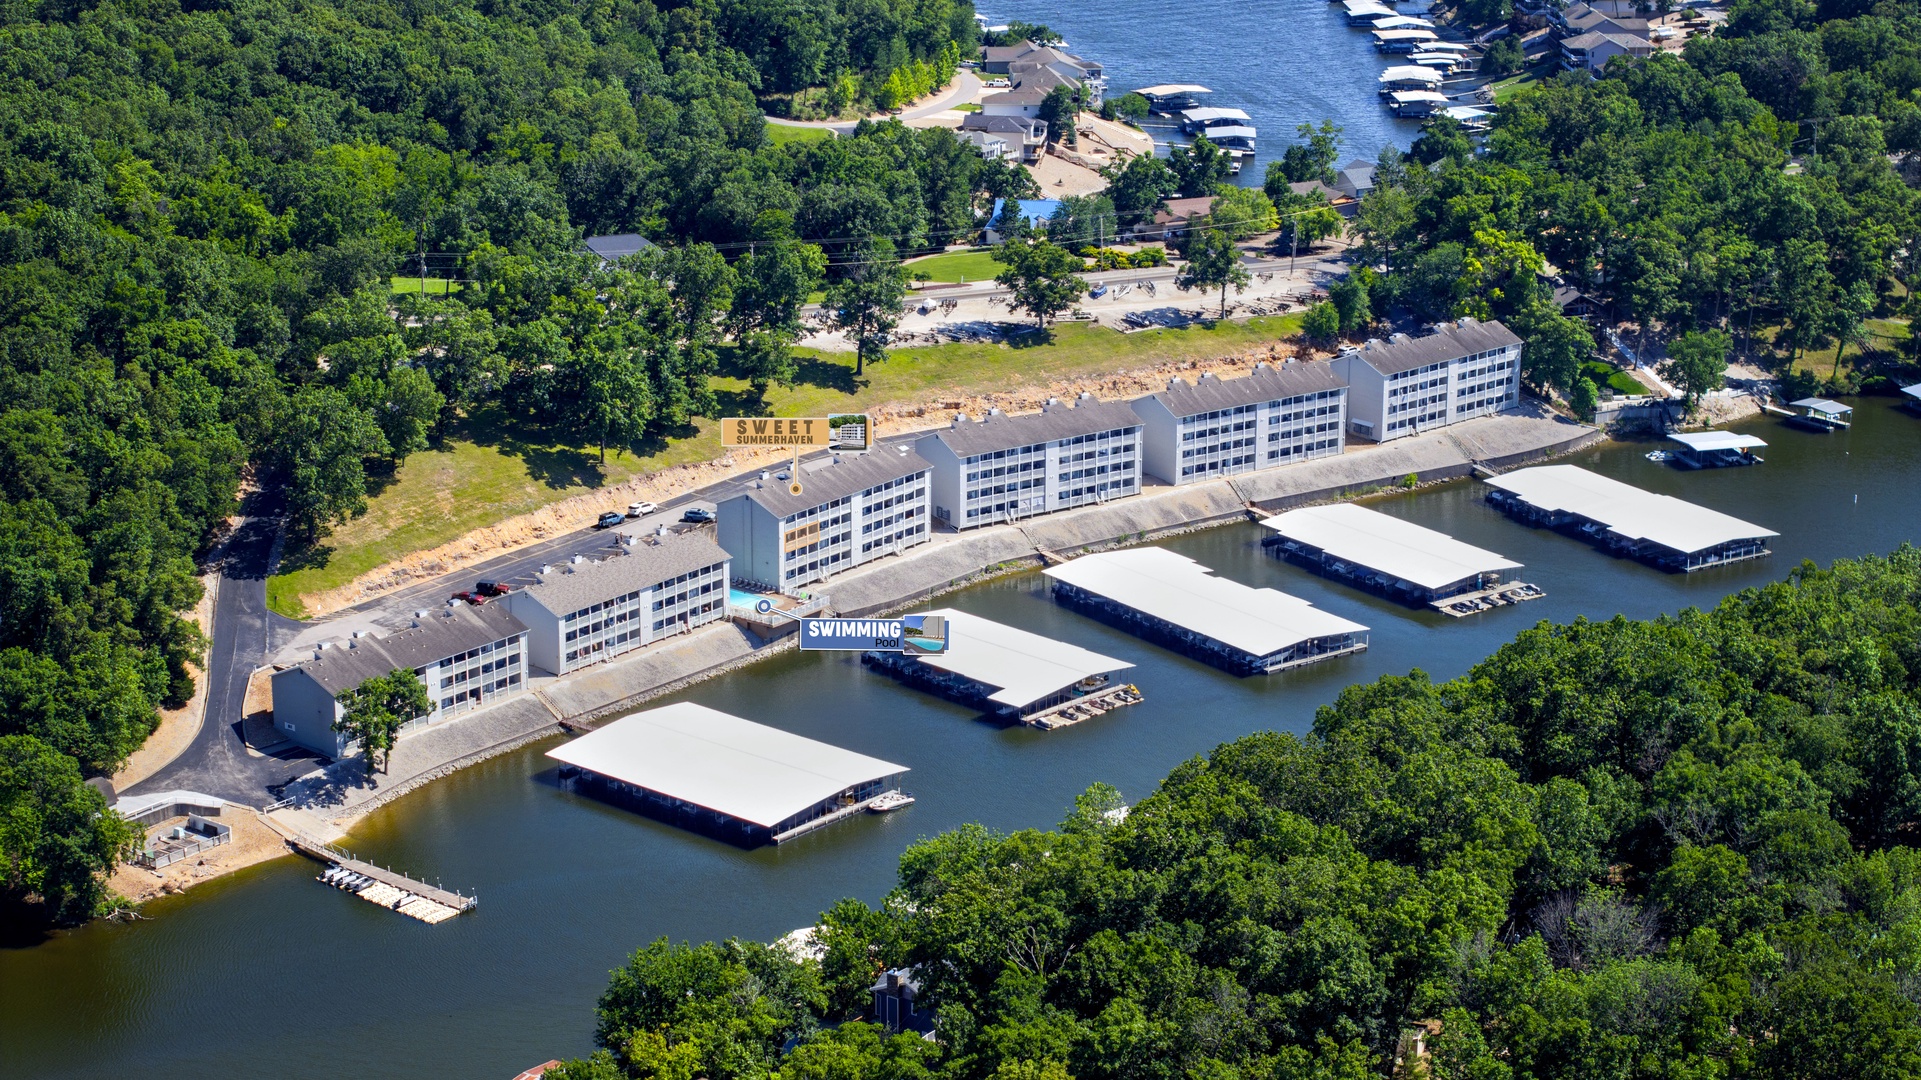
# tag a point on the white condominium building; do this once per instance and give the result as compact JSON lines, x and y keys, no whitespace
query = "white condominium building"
{"x":1406,"y":385}
{"x":1219,"y":427}
{"x":1005,"y":468}
{"x":853,"y":508}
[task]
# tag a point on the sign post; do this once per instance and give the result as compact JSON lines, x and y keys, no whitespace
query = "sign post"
{"x":841,"y":432}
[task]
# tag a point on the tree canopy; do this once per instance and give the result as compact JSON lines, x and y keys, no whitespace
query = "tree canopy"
{"x":1636,"y":849}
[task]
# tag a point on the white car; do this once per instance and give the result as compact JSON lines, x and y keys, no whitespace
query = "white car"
{"x":640,"y":509}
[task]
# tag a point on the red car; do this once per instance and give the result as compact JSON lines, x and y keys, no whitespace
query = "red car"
{"x":472,"y":597}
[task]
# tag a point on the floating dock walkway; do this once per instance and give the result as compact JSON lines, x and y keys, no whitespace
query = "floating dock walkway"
{"x":378,"y":885}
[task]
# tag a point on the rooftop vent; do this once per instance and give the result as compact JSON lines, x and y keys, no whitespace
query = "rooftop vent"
{"x":1397,"y":338}
{"x":578,"y":559}
{"x":994,"y":412}
{"x":324,"y":646}
{"x":421,"y":614}
{"x":1085,"y":395}
{"x":546,"y":568}
{"x":1207,"y":376}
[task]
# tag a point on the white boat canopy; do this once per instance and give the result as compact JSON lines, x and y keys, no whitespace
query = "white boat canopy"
{"x":1626,"y":510}
{"x":1209,"y":115}
{"x":1822,"y":406}
{"x":1716,"y":440}
{"x":1175,"y":589}
{"x":1438,"y":45}
{"x":1229,"y":131}
{"x":721,"y":762}
{"x":1387,"y":544}
{"x":1402,"y":22}
{"x":1023,"y":667}
{"x":1172,"y":90}
{"x":1386,"y":37}
{"x":1913,"y":391}
{"x":1411,"y":73}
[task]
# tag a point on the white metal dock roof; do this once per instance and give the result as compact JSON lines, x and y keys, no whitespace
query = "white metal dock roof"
{"x":1385,"y":36}
{"x":1202,"y":116}
{"x":710,"y":758}
{"x":1716,"y":440}
{"x":1411,"y":73}
{"x":1402,"y":22}
{"x":1626,"y":509}
{"x":1176,"y":589}
{"x":1821,"y":405}
{"x":1385,"y":543}
{"x":1025,"y":667}
{"x":1913,"y":391}
{"x":1171,"y":89}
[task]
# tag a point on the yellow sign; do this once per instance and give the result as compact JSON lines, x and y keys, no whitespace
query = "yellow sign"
{"x":775,"y":431}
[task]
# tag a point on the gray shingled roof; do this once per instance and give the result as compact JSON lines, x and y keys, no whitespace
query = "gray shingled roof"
{"x":441,"y":634}
{"x":1267,"y":383}
{"x":824,"y":479}
{"x":993,"y":433}
{"x":1448,"y":342}
{"x":617,"y":246}
{"x":572,"y":586}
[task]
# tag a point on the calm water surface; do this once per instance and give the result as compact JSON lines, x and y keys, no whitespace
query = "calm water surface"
{"x":1285,"y":63}
{"x":272,"y":973}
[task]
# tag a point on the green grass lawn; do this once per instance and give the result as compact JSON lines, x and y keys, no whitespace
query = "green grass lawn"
{"x":485,"y":472}
{"x":955,"y":266}
{"x":404,"y":285}
{"x":1888,"y":333}
{"x":1610,"y":376}
{"x":1506,"y":88}
{"x":781,"y":134}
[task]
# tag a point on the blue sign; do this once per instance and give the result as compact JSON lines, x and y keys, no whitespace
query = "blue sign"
{"x":915,"y":635}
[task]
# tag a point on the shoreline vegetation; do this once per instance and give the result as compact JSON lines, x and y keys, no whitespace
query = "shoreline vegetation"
{"x":1610,"y":844}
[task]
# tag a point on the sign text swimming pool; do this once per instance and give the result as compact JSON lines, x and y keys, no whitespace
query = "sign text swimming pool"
{"x":912,"y":634}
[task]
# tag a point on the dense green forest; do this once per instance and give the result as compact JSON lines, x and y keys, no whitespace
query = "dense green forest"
{"x":1749,"y":184}
{"x":201,"y":204}
{"x":1671,"y":849}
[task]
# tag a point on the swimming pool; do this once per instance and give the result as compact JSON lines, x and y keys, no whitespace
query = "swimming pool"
{"x":736,"y":598}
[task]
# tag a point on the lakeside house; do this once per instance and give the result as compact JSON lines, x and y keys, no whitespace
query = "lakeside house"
{"x":1035,"y":212}
{"x":588,"y":610}
{"x":853,"y":509}
{"x":1406,"y":385}
{"x":465,"y":656}
{"x":1218,"y":427}
{"x":1590,"y":37}
{"x":1343,"y":203}
{"x":991,"y":146}
{"x":1174,"y":220}
{"x":1355,"y":179}
{"x":1025,"y":136}
{"x":1043,"y":65}
{"x":1004,"y":468}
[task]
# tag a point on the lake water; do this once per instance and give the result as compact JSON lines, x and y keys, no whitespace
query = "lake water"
{"x":1286,"y":63}
{"x":270,"y":973}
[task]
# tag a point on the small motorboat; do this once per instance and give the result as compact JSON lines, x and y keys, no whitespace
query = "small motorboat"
{"x":1658,"y":455}
{"x":889,"y":800}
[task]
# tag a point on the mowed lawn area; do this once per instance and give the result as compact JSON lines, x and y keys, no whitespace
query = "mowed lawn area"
{"x":481,"y":474}
{"x":954,"y":266}
{"x":781,"y":134}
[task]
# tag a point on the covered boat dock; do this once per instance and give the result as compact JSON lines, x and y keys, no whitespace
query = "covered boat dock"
{"x":1913,"y":394}
{"x":1820,"y":414}
{"x":1002,"y":671}
{"x":1177,"y":603}
{"x":1661,"y":530}
{"x":1171,"y":98}
{"x":1383,"y":554}
{"x":1716,"y":449}
{"x":717,"y":773}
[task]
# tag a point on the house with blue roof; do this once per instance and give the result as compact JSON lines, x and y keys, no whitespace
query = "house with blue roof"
{"x":1035,"y":211}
